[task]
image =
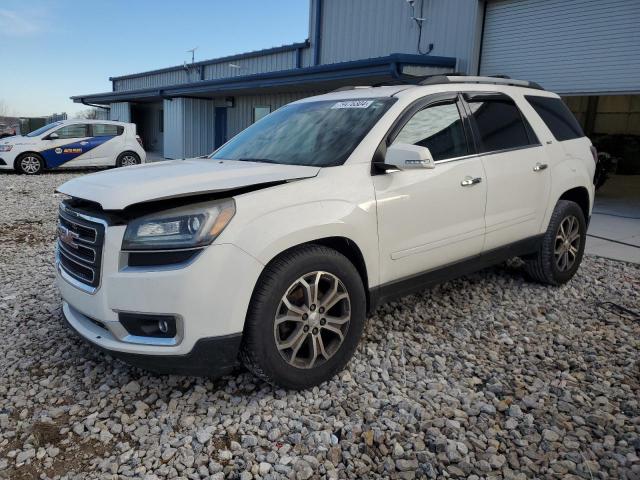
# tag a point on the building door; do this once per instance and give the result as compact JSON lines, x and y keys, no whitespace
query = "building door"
{"x":581,"y":46}
{"x":220,"y":126}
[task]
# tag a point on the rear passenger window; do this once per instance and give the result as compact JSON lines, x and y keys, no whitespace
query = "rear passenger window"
{"x":106,"y":130}
{"x":557,"y":117}
{"x":439,"y":128}
{"x":500,"y":124}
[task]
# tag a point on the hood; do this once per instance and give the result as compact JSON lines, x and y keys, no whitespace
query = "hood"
{"x":121,"y":187}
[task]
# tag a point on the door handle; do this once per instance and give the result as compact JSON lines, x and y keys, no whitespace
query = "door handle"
{"x":468,"y":181}
{"x":539,"y":167}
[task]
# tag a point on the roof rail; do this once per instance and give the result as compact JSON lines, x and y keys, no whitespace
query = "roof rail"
{"x":494,"y":80}
{"x":349,"y":87}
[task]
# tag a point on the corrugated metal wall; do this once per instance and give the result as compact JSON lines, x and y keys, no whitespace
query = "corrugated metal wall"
{"x":251,"y":65}
{"x":189,"y":127}
{"x":244,"y":66}
{"x":356,"y":29}
{"x":241,"y":115}
{"x":120,"y":112}
{"x":570,"y":47}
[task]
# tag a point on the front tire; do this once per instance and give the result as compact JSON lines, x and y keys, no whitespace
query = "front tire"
{"x":306,"y":317}
{"x":126,"y":159}
{"x":562,"y":246}
{"x":29,"y":164}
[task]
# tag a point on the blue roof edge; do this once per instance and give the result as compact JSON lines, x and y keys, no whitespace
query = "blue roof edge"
{"x":340,"y":70}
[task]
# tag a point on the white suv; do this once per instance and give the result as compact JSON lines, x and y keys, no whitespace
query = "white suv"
{"x":73,"y":144}
{"x":272,"y":250}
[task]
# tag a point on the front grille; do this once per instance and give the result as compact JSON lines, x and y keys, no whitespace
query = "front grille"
{"x":80,"y":241}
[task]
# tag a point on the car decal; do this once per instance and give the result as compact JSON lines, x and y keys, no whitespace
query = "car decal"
{"x":64,"y":153}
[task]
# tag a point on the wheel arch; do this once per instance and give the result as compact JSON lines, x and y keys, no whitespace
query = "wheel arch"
{"x":343,"y":245}
{"x":579,"y":195}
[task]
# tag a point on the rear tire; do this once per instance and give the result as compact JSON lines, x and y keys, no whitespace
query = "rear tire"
{"x":126,"y":159}
{"x":305,"y":319}
{"x":562,"y":246}
{"x":29,"y":164}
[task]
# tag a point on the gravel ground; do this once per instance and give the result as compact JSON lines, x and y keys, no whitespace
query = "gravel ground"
{"x":484,"y":377}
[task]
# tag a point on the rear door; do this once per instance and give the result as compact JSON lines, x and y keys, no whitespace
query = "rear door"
{"x":516,"y":166}
{"x":107,"y":142}
{"x":71,"y":148}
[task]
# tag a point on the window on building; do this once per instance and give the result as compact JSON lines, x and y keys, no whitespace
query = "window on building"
{"x":439,"y":128}
{"x":106,"y":130}
{"x":499,"y":123}
{"x":557,"y":117}
{"x":161,"y":121}
{"x":259,"y":112}
{"x":73,"y":131}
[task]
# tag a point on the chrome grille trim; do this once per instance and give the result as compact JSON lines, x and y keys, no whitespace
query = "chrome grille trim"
{"x":80,"y":262}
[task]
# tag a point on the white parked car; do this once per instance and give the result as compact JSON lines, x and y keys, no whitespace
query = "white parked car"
{"x":73,"y":144}
{"x":273,"y":248}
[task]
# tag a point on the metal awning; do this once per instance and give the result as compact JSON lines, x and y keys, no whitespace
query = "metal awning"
{"x":390,"y":69}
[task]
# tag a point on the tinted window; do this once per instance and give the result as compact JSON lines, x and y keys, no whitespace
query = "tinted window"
{"x":499,"y":123}
{"x":73,"y":131}
{"x":104,"y":130}
{"x":557,"y":117}
{"x":439,"y":128}
{"x":320,"y":133}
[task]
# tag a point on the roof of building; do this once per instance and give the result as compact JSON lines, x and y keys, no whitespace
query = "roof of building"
{"x":357,"y":72}
{"x":228,"y":58}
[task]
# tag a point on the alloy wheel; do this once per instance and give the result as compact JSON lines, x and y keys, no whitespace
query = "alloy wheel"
{"x":30,"y":164}
{"x":567,"y":243}
{"x":128,"y":160}
{"x":312,"y":319}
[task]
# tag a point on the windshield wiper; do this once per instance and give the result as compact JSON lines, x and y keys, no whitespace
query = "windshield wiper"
{"x":258,"y":160}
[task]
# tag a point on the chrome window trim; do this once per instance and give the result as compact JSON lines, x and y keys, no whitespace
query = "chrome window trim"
{"x":492,"y":152}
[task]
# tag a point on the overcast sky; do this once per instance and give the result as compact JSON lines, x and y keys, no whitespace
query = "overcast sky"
{"x":52,"y":49}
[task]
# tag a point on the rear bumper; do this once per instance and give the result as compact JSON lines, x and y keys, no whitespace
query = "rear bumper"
{"x":209,"y":357}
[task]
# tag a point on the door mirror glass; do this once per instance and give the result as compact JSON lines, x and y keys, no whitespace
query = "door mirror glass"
{"x":404,"y":156}
{"x":53,"y":136}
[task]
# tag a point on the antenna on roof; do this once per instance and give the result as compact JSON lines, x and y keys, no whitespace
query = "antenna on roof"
{"x":193,"y":54}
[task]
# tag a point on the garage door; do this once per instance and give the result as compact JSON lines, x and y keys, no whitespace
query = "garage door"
{"x":568,"y":46}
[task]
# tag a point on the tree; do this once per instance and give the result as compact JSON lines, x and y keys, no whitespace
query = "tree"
{"x":89,"y":114}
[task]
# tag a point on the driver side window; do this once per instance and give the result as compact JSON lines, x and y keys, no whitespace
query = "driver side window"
{"x":439,"y":128}
{"x":73,"y":131}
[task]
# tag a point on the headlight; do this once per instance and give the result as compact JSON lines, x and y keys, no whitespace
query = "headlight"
{"x":185,"y":227}
{"x":5,"y":148}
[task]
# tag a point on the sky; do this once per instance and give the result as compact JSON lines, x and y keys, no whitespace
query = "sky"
{"x":53,"y":49}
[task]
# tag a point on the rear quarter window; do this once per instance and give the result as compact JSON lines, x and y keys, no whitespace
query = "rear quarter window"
{"x":105,"y":129}
{"x":557,"y":117}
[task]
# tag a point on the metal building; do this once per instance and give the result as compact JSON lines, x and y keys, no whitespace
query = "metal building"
{"x":576,"y":47}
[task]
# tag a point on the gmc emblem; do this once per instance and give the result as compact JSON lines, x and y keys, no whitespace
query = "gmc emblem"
{"x":67,"y":237}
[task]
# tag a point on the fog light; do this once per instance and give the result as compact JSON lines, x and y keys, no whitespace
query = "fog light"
{"x":149,"y":325}
{"x":163,"y":326}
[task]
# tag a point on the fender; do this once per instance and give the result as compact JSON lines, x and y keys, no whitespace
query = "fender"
{"x":570,"y":172}
{"x":269,"y":224}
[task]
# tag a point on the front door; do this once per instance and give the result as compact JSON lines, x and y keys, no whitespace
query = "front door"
{"x":516,"y":166}
{"x":71,"y":148}
{"x":433,"y":217}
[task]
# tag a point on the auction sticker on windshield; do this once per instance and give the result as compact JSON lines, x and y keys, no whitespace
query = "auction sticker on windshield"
{"x":353,"y":104}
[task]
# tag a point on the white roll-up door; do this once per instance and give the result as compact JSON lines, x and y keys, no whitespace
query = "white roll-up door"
{"x":568,"y":46}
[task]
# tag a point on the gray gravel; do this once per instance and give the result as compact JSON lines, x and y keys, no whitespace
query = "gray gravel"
{"x":484,"y":377}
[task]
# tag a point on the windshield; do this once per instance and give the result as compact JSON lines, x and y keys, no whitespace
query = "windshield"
{"x":321,"y":134}
{"x":41,"y":130}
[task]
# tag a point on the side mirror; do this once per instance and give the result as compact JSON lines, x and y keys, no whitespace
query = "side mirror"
{"x":404,"y":156}
{"x":53,"y":136}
